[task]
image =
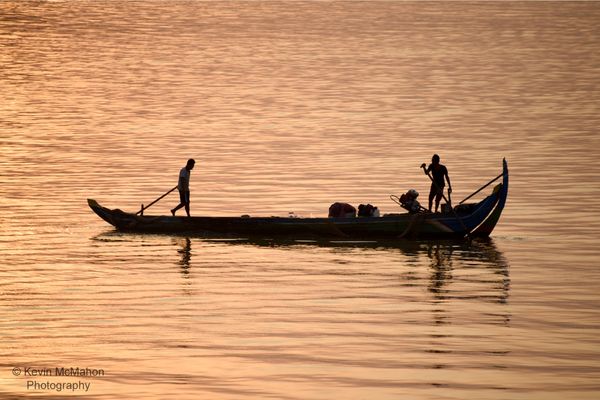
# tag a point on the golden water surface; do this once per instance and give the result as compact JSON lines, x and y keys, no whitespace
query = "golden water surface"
{"x":289,"y":107}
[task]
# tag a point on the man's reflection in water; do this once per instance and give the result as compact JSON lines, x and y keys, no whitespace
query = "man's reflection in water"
{"x":462,"y":275}
{"x":492,"y":267}
{"x":186,"y":255}
{"x":441,"y":276}
{"x":482,"y":276}
{"x":441,"y":267}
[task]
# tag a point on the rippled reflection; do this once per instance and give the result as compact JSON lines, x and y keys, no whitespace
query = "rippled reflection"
{"x":186,"y":254}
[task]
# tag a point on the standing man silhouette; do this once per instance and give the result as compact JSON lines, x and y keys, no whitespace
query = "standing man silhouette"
{"x":439,"y":172}
{"x":184,"y":187}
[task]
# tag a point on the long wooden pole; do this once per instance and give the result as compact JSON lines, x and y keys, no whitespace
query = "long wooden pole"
{"x":481,"y":188}
{"x":154,"y":202}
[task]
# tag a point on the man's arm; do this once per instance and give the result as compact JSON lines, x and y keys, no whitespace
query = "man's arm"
{"x":449,"y":184}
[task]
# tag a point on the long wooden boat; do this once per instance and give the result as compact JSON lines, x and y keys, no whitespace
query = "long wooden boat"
{"x":473,"y":220}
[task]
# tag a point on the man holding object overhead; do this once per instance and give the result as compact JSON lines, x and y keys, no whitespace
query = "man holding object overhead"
{"x":184,"y":187}
{"x":439,"y":172}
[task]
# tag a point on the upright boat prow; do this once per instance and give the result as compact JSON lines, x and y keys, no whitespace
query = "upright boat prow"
{"x":474,"y":219}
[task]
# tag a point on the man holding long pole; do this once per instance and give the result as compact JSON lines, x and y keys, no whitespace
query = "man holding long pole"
{"x":439,"y":172}
{"x":184,"y":187}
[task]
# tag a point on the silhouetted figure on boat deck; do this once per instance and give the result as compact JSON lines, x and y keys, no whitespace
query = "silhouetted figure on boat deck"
{"x":184,"y":187}
{"x":438,"y":172}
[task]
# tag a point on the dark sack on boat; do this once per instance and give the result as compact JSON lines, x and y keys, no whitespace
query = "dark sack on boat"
{"x":367,"y":210}
{"x":341,"y":210}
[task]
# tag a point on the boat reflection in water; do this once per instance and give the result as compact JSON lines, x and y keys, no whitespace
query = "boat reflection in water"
{"x":452,"y":272}
{"x":441,"y":254}
{"x":479,"y":260}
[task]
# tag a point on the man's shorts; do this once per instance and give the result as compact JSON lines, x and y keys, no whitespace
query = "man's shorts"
{"x":434,"y":191}
{"x":184,"y":197}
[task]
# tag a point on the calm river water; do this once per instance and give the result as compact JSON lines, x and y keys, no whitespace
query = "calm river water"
{"x":289,"y":107}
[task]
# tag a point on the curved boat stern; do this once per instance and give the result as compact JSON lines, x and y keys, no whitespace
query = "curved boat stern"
{"x":487,"y":226}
